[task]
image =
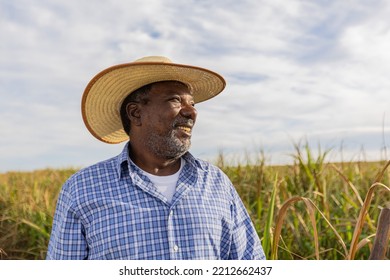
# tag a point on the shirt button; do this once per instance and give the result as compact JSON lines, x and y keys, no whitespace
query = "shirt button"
{"x":171,"y":213}
{"x":175,"y":248}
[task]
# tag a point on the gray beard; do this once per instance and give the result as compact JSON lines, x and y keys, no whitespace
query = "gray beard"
{"x":167,"y":146}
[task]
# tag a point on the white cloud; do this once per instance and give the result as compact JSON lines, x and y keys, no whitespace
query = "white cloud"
{"x":295,"y":69}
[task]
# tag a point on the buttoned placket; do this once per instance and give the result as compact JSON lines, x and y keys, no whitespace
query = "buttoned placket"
{"x":173,"y":246}
{"x":182,"y":189}
{"x":148,"y":187}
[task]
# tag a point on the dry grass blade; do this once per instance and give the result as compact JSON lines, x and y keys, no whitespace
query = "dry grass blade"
{"x":382,"y":173}
{"x":333,"y":229}
{"x":349,"y":184}
{"x":2,"y":253}
{"x":360,"y":221}
{"x":36,"y":227}
{"x":364,"y":242}
{"x":280,"y":219}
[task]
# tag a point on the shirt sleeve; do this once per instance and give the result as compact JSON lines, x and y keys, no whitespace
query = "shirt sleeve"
{"x":67,"y":240}
{"x":245,"y":244}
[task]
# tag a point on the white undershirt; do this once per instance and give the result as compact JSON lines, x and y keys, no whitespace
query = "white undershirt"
{"x":166,"y":184}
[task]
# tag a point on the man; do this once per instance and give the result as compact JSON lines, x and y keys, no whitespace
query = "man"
{"x":154,"y":200}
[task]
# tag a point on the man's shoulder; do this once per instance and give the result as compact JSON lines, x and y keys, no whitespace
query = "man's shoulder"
{"x":102,"y":170}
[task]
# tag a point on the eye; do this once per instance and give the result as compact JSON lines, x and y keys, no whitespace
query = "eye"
{"x":175,"y":99}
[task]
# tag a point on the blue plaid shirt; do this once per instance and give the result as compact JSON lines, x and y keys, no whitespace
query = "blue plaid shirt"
{"x":111,"y":210}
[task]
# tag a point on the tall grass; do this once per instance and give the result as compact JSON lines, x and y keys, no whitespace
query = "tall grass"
{"x":319,"y":210}
{"x":27,"y":203}
{"x":310,"y":209}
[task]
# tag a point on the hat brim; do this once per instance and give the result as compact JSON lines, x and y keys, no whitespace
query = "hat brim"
{"x":105,"y":93}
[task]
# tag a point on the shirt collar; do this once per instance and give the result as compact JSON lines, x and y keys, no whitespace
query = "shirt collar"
{"x":125,"y":164}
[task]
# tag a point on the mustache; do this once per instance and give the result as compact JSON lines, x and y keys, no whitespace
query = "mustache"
{"x":183,"y":122}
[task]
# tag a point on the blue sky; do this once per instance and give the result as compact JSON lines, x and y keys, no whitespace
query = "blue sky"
{"x":296,"y":71}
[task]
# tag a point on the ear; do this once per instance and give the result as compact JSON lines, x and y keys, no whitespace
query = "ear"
{"x":133,"y":113}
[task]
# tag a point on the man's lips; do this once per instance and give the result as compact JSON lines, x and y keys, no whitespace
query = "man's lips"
{"x":184,"y":125}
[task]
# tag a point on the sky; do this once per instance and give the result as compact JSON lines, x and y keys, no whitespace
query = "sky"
{"x":298,"y":72}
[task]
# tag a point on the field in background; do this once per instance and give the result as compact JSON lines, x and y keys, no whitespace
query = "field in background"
{"x":313,"y":206}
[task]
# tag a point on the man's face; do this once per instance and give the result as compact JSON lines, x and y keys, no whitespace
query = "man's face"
{"x":168,"y":118}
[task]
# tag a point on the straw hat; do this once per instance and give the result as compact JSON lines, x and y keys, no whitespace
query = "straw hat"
{"x":105,"y":93}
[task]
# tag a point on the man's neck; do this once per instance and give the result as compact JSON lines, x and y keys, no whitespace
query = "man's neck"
{"x":152,"y":164}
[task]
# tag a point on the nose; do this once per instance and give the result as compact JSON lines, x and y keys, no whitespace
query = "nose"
{"x":188,"y":111}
